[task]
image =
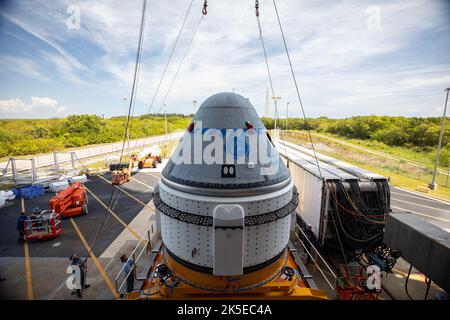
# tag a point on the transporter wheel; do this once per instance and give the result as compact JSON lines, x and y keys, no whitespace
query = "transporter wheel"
{"x":159,"y":159}
{"x":141,"y":164}
{"x":154,"y":164}
{"x":84,"y":208}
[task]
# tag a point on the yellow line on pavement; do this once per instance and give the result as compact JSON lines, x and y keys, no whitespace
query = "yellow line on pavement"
{"x":28,"y":271}
{"x":134,"y":233}
{"x":142,"y":183}
{"x":416,"y":204}
{"x":412,"y":276}
{"x":131,"y":196}
{"x":421,"y":214}
{"x":150,"y":174}
{"x":96,"y":262}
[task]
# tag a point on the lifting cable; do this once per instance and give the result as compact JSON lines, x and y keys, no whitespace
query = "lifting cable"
{"x":297,"y":89}
{"x":135,"y":78}
{"x":182,"y":60}
{"x":136,"y":91}
{"x":299,"y":98}
{"x":267,"y":67}
{"x":170,"y":56}
{"x":114,"y":190}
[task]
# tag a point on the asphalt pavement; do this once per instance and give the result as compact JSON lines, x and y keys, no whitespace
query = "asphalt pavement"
{"x":37,"y":269}
{"x":432,"y":210}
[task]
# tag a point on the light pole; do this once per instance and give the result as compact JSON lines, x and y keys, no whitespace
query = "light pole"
{"x":287,"y":115}
{"x":127,"y":133}
{"x":165,"y":125}
{"x":195,"y":103}
{"x":275,"y":99}
{"x":165,"y":119}
{"x":433,"y":185}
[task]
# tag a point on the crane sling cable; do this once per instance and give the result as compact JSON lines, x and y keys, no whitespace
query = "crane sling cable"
{"x":137,"y":86}
{"x":305,"y":119}
{"x":267,"y":66}
{"x":114,"y":191}
{"x":134,"y":101}
{"x":170,"y":56}
{"x":306,"y":124}
{"x":136,"y":93}
{"x":297,"y":88}
{"x":276,"y":111}
{"x":181,"y":62}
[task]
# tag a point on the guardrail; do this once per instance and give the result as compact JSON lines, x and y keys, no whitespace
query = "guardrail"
{"x":14,"y":169}
{"x":89,"y":152}
{"x":317,"y":255}
{"x":149,"y":232}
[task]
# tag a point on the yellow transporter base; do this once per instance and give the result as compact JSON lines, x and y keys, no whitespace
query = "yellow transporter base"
{"x":271,"y":282}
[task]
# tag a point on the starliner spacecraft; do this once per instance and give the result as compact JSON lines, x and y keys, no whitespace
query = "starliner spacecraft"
{"x":224,"y":209}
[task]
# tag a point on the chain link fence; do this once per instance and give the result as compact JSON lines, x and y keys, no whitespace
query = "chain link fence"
{"x":363,"y":158}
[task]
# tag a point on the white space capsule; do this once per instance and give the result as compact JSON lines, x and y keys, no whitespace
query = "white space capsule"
{"x":225,"y":199}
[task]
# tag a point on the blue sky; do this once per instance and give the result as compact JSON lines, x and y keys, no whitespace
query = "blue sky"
{"x":350,"y":57}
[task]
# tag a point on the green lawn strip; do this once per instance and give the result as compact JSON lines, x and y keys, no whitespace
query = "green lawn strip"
{"x":392,"y":171}
{"x":425,"y":159}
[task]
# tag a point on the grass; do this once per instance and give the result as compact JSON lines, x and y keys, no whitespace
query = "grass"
{"x":96,"y":165}
{"x":426,"y":159}
{"x":401,"y":173}
{"x":165,"y":152}
{"x":401,"y":181}
{"x":41,"y":136}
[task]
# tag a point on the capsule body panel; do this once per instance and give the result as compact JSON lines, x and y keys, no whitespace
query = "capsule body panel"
{"x":231,"y":213}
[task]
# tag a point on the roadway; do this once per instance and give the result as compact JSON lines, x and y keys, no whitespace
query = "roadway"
{"x":37,"y":269}
{"x":375,"y":152}
{"x":88,"y":152}
{"x":432,"y":210}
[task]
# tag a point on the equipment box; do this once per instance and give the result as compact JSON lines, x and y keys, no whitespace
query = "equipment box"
{"x":118,"y":166}
{"x":32,"y":192}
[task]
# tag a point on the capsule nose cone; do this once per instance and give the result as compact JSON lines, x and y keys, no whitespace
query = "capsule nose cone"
{"x":226,"y":147}
{"x":227,"y":110}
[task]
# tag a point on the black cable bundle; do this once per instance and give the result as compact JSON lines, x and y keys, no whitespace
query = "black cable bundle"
{"x":359,"y":217}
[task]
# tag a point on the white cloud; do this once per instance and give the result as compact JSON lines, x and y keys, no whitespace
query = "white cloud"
{"x":13,"y":106}
{"x":343,"y":67}
{"x":43,"y":102}
{"x":45,"y":38}
{"x":40,"y":107}
{"x":23,"y":66}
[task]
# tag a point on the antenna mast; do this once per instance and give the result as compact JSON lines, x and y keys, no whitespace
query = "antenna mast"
{"x":267,"y":108}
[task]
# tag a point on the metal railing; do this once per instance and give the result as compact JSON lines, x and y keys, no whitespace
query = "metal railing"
{"x":317,"y":255}
{"x":149,"y":232}
{"x":43,"y":223}
{"x":358,"y":155}
{"x":88,"y":152}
